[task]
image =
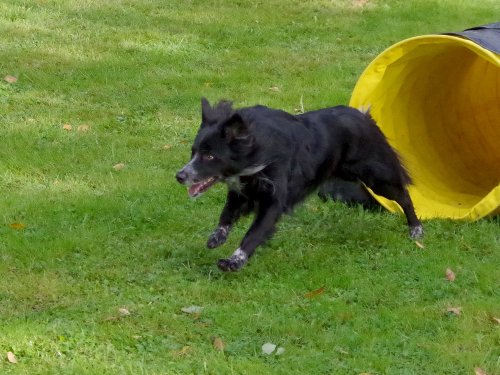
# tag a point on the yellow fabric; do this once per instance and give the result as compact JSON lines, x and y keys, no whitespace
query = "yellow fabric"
{"x":437,"y":100}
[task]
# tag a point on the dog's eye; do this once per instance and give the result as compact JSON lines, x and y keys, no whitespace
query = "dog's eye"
{"x":208,"y":157}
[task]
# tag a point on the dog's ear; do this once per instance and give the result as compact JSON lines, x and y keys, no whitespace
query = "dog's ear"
{"x":206,"y":112}
{"x":213,"y":114}
{"x":236,"y":129}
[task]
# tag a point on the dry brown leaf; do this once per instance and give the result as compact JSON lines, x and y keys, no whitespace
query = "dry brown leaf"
{"x":119,"y":166}
{"x":67,"y":127}
{"x":186,"y":350}
{"x":454,"y":310}
{"x":218,"y":344}
{"x":420,"y":244}
{"x":450,"y":275}
{"x":479,"y":371}
{"x":10,"y":79}
{"x":83,"y":128}
{"x":315,"y":293}
{"x":11,"y":357}
{"x":495,"y":320}
{"x":17,"y":226}
{"x":359,"y":3}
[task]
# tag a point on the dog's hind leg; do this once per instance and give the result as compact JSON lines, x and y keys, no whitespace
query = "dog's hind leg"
{"x":400,"y":194}
{"x":236,"y":205}
{"x":348,"y":192}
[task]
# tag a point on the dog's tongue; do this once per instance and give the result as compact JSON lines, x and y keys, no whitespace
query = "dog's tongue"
{"x":200,"y":187}
{"x":194,"y":189}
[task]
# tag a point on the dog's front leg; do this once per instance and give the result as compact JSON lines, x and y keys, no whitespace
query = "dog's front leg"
{"x":236,"y":205}
{"x":262,"y":228}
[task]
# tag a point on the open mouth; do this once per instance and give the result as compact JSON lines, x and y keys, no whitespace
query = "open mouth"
{"x":200,"y":187}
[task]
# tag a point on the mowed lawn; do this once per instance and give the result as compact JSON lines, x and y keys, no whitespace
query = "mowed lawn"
{"x":102,"y":254}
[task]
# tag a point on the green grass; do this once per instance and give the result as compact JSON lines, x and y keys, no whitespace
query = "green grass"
{"x":91,"y":240}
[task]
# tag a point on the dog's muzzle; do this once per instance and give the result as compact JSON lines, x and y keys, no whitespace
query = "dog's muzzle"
{"x":181,"y":176}
{"x":196,"y":186}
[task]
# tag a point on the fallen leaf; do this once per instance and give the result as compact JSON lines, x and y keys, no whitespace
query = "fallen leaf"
{"x":201,"y":323}
{"x":17,"y":226}
{"x":119,"y":166}
{"x":479,"y":371}
{"x":315,"y":293}
{"x":420,"y":244}
{"x":454,"y":310}
{"x":11,"y":357}
{"x":67,"y":127}
{"x":167,"y":147}
{"x":184,"y":351}
{"x":268,"y":348}
{"x":450,"y":275}
{"x":83,"y":128}
{"x":342,"y":351}
{"x":218,"y":344}
{"x":124,"y":311}
{"x":359,"y":3}
{"x":280,"y":350}
{"x":274,"y":89}
{"x":495,"y":320}
{"x":192,"y":309}
{"x":10,"y":79}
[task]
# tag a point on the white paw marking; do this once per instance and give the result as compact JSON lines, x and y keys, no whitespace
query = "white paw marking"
{"x":239,"y":256}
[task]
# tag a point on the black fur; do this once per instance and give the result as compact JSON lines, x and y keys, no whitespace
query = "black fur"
{"x":272,"y":160}
{"x":351,"y":193}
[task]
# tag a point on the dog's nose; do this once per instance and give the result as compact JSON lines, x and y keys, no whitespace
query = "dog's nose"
{"x":181,"y":176}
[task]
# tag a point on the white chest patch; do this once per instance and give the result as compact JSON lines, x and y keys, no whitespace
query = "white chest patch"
{"x":234,"y":183}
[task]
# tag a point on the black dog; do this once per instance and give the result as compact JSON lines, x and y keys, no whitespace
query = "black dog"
{"x":271,"y":160}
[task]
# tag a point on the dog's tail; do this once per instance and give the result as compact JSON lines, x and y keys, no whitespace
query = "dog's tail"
{"x":403,"y":170}
{"x":365,"y":110}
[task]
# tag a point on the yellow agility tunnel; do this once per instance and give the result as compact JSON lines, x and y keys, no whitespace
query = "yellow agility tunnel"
{"x":437,"y":100}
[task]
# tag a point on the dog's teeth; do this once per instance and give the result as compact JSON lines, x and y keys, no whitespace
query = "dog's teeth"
{"x":199,"y":187}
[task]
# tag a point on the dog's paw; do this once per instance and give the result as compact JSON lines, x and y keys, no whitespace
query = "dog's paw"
{"x":229,"y":265}
{"x":218,"y":237}
{"x":234,"y":263}
{"x":416,"y":232}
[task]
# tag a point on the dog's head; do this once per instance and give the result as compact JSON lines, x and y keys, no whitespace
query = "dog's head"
{"x":223,"y":148}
